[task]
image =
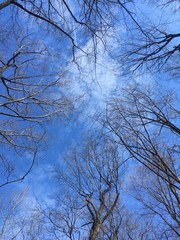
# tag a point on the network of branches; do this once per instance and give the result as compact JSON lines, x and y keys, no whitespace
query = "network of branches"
{"x":122,"y":179}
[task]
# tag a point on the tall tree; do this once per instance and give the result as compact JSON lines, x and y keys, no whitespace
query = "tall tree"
{"x":145,"y":122}
{"x":92,"y":177}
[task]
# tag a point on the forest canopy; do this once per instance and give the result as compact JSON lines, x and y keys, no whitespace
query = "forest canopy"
{"x":89,"y":119}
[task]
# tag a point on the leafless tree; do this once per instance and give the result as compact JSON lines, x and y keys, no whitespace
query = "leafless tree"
{"x":7,"y":215}
{"x":63,"y":221}
{"x":92,"y":177}
{"x":31,"y":94}
{"x":141,"y":121}
{"x":154,"y":47}
{"x":18,"y":220}
{"x":159,"y":200}
{"x":89,"y":204}
{"x":31,"y":82}
{"x":145,"y":123}
{"x":124,"y":223}
{"x":69,"y":17}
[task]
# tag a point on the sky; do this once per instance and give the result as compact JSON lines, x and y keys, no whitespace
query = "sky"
{"x":93,"y":83}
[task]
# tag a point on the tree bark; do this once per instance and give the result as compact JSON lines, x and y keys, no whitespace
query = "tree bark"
{"x":94,"y":231}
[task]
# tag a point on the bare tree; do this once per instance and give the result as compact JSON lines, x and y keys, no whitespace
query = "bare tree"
{"x":146,"y":125}
{"x":8,"y":213}
{"x":31,"y":81}
{"x":155,"y":45}
{"x":142,"y":120}
{"x":18,"y":220}
{"x":89,"y":204}
{"x":70,"y":18}
{"x":63,"y":221}
{"x":31,"y":94}
{"x":155,"y":49}
{"x":92,"y":178}
{"x":159,"y":200}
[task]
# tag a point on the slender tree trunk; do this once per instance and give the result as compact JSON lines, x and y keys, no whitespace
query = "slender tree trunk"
{"x":94,"y":232}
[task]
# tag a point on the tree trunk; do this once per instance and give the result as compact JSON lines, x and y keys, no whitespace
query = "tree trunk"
{"x":94,"y":232}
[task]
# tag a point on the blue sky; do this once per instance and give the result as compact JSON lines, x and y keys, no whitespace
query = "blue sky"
{"x":92,"y":87}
